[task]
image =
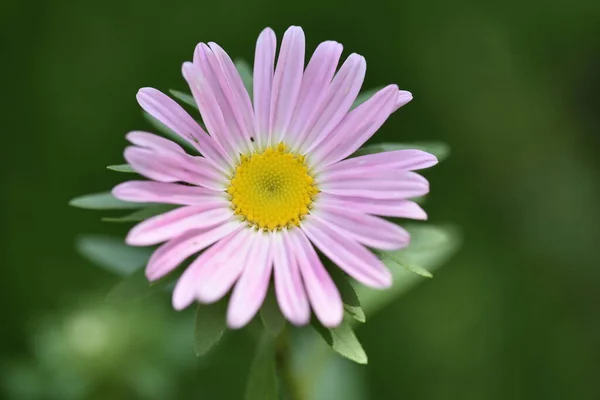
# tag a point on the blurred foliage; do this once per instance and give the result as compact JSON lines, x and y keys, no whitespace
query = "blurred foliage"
{"x":511,"y":86}
{"x":97,"y":352}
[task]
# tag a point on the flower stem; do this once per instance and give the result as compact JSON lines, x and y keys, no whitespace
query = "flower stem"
{"x":283,"y":360}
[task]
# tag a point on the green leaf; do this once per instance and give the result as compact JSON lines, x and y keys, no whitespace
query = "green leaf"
{"x":420,"y":199}
{"x":439,"y":149}
{"x":270,"y":314}
{"x":343,"y":340}
{"x":185,"y":98}
{"x":364,"y":96}
{"x":103,"y":201}
{"x":396,"y":258}
{"x":144,"y":213}
{"x":245,"y":72}
{"x":431,"y":246}
{"x":122,"y":168}
{"x":169,"y":134}
{"x":209,"y":326}
{"x":262,"y":379}
{"x":134,"y":288}
{"x":112,"y":253}
{"x":349,"y":297}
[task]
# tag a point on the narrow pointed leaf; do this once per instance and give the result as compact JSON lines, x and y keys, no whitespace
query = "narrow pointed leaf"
{"x":209,"y":325}
{"x":431,"y":246}
{"x":349,"y":297}
{"x":270,"y":314}
{"x":184,"y":98}
{"x":245,"y":72}
{"x":144,"y":213}
{"x":439,"y":149}
{"x":112,"y":253}
{"x":103,"y":201}
{"x":343,"y":340}
{"x":133,"y":288}
{"x":262,"y":379}
{"x":420,"y":199}
{"x":396,"y":258}
{"x":122,"y":168}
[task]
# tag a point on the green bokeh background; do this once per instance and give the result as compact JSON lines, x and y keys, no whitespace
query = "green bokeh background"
{"x":512,"y":86}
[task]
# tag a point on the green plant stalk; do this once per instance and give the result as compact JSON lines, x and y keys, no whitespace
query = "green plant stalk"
{"x":283,"y":362}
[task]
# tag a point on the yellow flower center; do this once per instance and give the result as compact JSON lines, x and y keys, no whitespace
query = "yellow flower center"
{"x":272,"y":189}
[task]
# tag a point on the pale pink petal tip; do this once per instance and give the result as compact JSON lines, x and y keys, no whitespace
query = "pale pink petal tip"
{"x":266,"y":34}
{"x":403,"y":98}
{"x":385,"y":280}
{"x":426,"y":160}
{"x":180,"y":302}
{"x":236,"y":320}
{"x":251,"y":288}
{"x":415,"y":211}
{"x":122,"y":192}
{"x":289,"y":288}
{"x":189,"y":70}
{"x":324,"y":296}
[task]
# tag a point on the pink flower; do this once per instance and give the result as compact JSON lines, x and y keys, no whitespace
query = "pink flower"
{"x":273,"y":182}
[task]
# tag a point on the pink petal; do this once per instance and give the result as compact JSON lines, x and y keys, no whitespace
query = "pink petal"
{"x":206,"y":174}
{"x":356,"y":260}
{"x":185,"y":289}
{"x":214,"y":75}
{"x":177,"y":222}
{"x":171,"y":114}
{"x":286,"y":83}
{"x":289,"y":289}
{"x":264,"y":60}
{"x":366,"y":229}
{"x":168,"y":193}
{"x":403,"y":98}
{"x":386,"y":208}
{"x":357,"y":127}
{"x":322,"y":292}
{"x":238,"y":91}
{"x":168,"y":256}
{"x":315,"y":82}
{"x":154,"y":142}
{"x":340,"y":95}
{"x":169,"y":166}
{"x":218,"y":276}
{"x":219,"y":257}
{"x":407,"y":160}
{"x":203,"y":90}
{"x":163,"y":160}
{"x":397,"y":185}
{"x":142,"y":161}
{"x":251,"y":288}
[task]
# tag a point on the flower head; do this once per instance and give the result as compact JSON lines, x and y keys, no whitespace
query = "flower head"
{"x":273,"y":182}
